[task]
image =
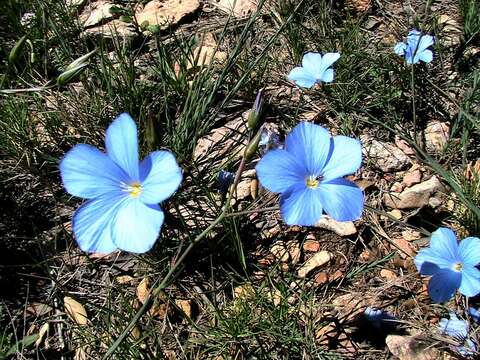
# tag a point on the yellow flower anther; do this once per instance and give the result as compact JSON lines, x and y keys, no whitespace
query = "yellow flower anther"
{"x":135,"y":189}
{"x":312,"y":182}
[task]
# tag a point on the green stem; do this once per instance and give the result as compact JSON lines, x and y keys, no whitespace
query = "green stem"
{"x":414,"y":110}
{"x":154,"y":294}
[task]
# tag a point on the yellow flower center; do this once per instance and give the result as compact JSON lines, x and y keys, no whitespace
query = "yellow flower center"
{"x":458,"y":266}
{"x":312,"y":182}
{"x":135,"y":189}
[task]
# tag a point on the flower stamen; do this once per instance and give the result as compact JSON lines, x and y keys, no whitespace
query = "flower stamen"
{"x":458,"y":267}
{"x":135,"y":189}
{"x":312,"y":181}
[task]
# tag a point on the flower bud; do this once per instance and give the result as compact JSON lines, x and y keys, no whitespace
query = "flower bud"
{"x":68,"y":75}
{"x":256,"y":111}
{"x":252,"y":146}
{"x":80,"y":61}
{"x":17,"y":50}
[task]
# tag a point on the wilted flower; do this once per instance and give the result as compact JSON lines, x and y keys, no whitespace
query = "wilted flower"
{"x":416,"y":48}
{"x":269,"y":139}
{"x":256,"y":112}
{"x":315,"y":69}
{"x":451,"y":265}
{"x":458,"y":329}
{"x":308,"y":174}
{"x":225,"y":179}
{"x":122,"y":210}
{"x":378,"y":317}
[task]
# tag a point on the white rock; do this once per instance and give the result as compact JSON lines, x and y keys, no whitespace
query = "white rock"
{"x":386,"y":156}
{"x":318,"y":259}
{"x":239,"y":8}
{"x":342,"y":228}
{"x":436,"y":136}
{"x":414,"y":197}
{"x":165,"y":13}
{"x":112,"y":29}
{"x":95,"y":13}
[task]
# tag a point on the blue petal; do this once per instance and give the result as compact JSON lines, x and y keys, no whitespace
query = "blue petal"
{"x":341,"y":199}
{"x":469,"y":251}
{"x":310,"y":145}
{"x":160,"y":177}
{"x":300,"y":205}
{"x":302,"y":77}
{"x":425,"y":56}
{"x":454,"y":326}
{"x":136,"y":226}
{"x":327,"y":60}
{"x":444,"y":243}
{"x":327,"y":76}
{"x":278,"y":170}
{"x":413,"y":38}
{"x":345,"y":158}
{"x":425,"y":42}
{"x":122,"y":145}
{"x":443,"y":285}
{"x":429,"y":262}
{"x":400,"y":48}
{"x":87,"y":172}
{"x":470,"y":285}
{"x":474,"y":313}
{"x":312,"y":63}
{"x":92,"y":222}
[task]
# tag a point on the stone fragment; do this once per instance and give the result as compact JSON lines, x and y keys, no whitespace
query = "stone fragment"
{"x":342,"y":228}
{"x":411,"y":235}
{"x":239,"y":8}
{"x":412,"y":348}
{"x":317,"y":260}
{"x":336,"y":275}
{"x":412,"y":177}
{"x":113,"y":29}
{"x":185,"y":306}
{"x":288,"y":252}
{"x":414,"y":197}
{"x":216,"y":148}
{"x":395,"y":213}
{"x":165,"y":13}
{"x":96,"y":13}
{"x":321,"y":278}
{"x":244,"y":187}
{"x":206,"y":52}
{"x":403,"y":145}
{"x":359,"y":5}
{"x":396,"y":187}
{"x":311,"y":245}
{"x":407,"y":248}
{"x":450,"y":30}
{"x":436,"y":136}
{"x":385,"y":156}
{"x":388,"y":274}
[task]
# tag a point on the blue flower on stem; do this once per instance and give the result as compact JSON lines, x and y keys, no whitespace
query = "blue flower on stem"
{"x":315,"y":69}
{"x":451,"y":265}
{"x":122,"y":210}
{"x":416,"y":48}
{"x":308,"y":175}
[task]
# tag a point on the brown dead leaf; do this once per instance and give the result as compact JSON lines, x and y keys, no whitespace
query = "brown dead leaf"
{"x":407,"y":248}
{"x":75,"y":310}
{"x":38,"y":309}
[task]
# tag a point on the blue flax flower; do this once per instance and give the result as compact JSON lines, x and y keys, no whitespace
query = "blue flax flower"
{"x":474,"y":314}
{"x":122,"y":210}
{"x":458,"y":329}
{"x":308,"y":175}
{"x":416,"y":48}
{"x":315,"y":69}
{"x":451,"y":265}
